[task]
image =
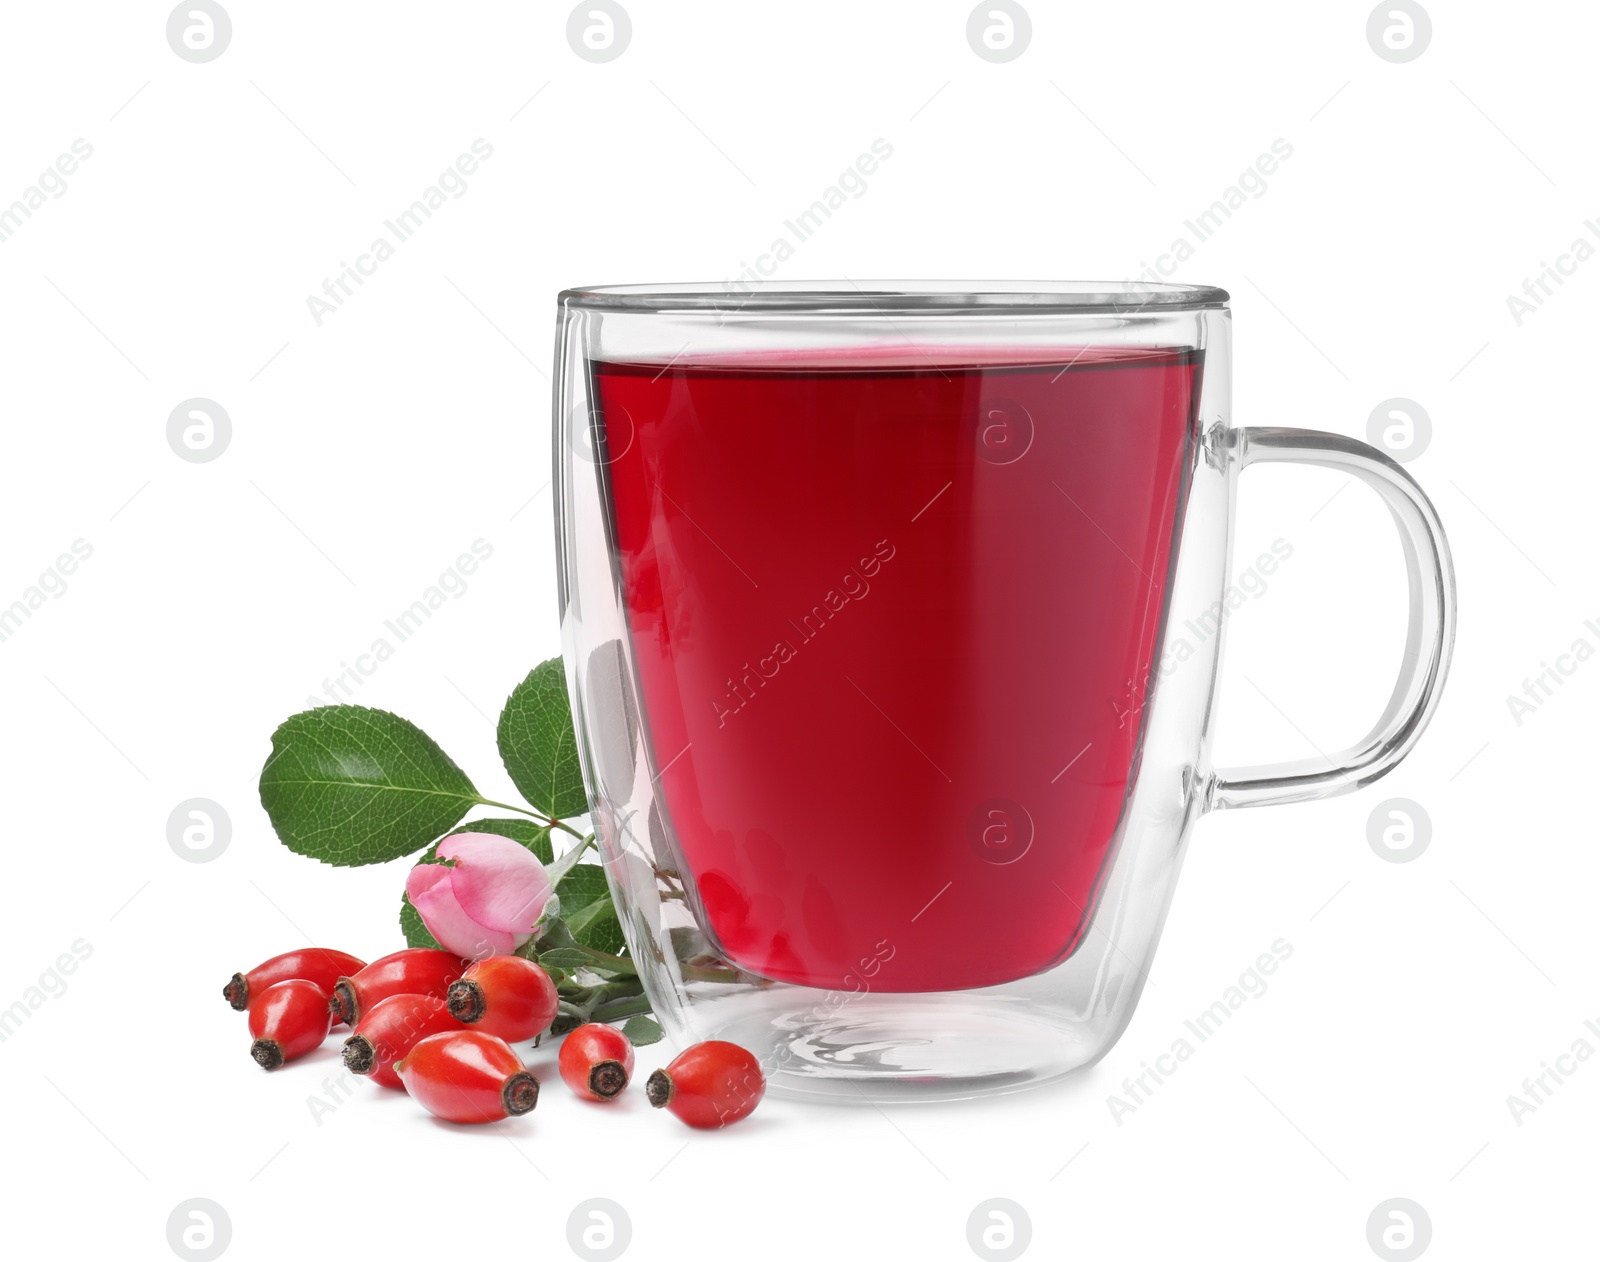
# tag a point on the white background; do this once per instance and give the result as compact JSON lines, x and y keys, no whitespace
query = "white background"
{"x":370,"y":451}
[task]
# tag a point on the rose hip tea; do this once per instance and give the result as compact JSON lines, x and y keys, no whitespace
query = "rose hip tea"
{"x":874,"y":599}
{"x":894,"y":616}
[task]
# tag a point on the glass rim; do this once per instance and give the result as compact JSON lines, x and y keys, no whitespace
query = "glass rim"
{"x":1124,"y":298}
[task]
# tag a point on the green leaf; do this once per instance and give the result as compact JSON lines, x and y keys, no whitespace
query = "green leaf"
{"x":569,"y":959}
{"x":536,"y":837}
{"x":597,"y":926}
{"x":350,"y":786}
{"x":582,"y":885}
{"x":642,"y":1031}
{"x":538,"y":744}
{"x":588,"y":910}
{"x":563,"y":865}
{"x":553,"y":933}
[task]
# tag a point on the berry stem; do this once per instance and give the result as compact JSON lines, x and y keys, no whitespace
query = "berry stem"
{"x":607,"y":1079}
{"x":342,"y":1003}
{"x":465,"y":1001}
{"x":519,"y":1094}
{"x":267,"y":1053}
{"x":359,"y":1055}
{"x":659,"y":1089}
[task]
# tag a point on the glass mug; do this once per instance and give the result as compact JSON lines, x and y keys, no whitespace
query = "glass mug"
{"x":873,"y":605}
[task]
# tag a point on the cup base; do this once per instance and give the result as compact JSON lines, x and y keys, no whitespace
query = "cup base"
{"x":902,"y":1049}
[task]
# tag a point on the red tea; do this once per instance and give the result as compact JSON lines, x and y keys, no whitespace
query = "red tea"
{"x":895,"y":616}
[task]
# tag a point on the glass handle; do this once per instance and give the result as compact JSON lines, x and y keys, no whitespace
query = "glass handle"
{"x":1428,"y":639}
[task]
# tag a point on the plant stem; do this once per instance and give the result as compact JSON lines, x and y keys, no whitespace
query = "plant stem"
{"x":538,"y":816}
{"x":691,"y":973}
{"x":616,"y":1009}
{"x":605,"y":960}
{"x":520,"y":810}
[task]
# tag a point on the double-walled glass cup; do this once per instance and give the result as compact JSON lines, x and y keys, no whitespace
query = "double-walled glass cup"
{"x":892,"y":616}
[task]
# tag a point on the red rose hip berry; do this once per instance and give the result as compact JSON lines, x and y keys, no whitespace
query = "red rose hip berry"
{"x":287,"y":1021}
{"x":596,"y":1061}
{"x":708,"y":1085}
{"x":468,"y":1076}
{"x":313,"y":964}
{"x":390,"y":1030}
{"x":417,"y":971}
{"x":506,"y":996}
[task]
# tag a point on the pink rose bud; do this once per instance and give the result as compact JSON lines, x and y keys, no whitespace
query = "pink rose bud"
{"x":487,"y":901}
